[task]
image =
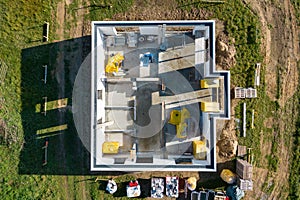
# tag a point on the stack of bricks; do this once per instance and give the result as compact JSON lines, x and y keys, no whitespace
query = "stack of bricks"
{"x":245,"y":173}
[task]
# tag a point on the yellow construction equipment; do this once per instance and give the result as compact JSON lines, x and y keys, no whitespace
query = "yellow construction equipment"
{"x":209,"y":83}
{"x":199,"y":149}
{"x":114,"y":63}
{"x":175,"y":117}
{"x":178,"y":118}
{"x":180,"y":129}
{"x":210,"y":107}
{"x":110,"y":147}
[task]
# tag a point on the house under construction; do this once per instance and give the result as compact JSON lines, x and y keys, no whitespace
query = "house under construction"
{"x":155,"y":96}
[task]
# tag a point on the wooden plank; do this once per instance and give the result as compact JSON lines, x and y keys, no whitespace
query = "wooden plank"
{"x":146,"y":79}
{"x":244,"y":120}
{"x":114,"y":80}
{"x":252,"y":120}
{"x":210,"y":107}
{"x":156,"y":99}
{"x":257,"y":75}
{"x":176,"y":64}
{"x":45,"y":73}
{"x":176,"y":59}
{"x":242,"y":150}
{"x":176,"y":53}
{"x":188,"y":102}
{"x":180,"y":142}
{"x":239,"y":92}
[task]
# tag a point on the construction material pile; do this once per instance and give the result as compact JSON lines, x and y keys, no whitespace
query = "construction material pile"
{"x":227,"y":144}
{"x":225,"y":56}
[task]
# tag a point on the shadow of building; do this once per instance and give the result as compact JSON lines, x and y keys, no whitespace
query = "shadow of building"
{"x":66,"y":154}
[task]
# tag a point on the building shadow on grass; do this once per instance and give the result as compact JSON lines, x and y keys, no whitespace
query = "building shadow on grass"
{"x":66,"y":153}
{"x":212,"y":180}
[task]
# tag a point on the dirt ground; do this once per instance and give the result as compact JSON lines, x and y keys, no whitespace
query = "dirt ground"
{"x":280,"y":46}
{"x":76,"y":30}
{"x":281,"y":50}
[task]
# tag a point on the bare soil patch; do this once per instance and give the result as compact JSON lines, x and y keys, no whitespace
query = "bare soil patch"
{"x":259,"y":179}
{"x":265,"y":149}
{"x":225,"y":52}
{"x":74,"y":18}
{"x":60,"y":17}
{"x":268,"y":123}
{"x":227,"y":143}
{"x":160,"y":10}
{"x":279,"y":45}
{"x":281,"y":50}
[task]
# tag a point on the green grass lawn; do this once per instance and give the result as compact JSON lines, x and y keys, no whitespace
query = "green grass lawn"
{"x":21,"y":26}
{"x":21,"y":23}
{"x":24,"y":53}
{"x":244,"y":27}
{"x":22,"y":175}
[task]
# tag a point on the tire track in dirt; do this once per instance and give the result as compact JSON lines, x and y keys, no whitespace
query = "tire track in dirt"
{"x":279,"y":45}
{"x":75,"y":58}
{"x":281,"y":51}
{"x":65,"y":16}
{"x":60,"y":77}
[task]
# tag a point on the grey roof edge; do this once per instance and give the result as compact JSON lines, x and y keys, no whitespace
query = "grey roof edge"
{"x":174,"y":22}
{"x":212,"y":73}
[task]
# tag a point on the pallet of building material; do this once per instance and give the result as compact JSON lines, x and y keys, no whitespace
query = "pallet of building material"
{"x":244,"y":169}
{"x":172,"y":186}
{"x":239,"y":93}
{"x":251,"y":93}
{"x":245,"y":184}
{"x":157,"y":187}
{"x":241,"y":151}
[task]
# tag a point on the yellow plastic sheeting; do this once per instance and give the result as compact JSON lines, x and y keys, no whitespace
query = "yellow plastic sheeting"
{"x":199,"y":149}
{"x":185,"y":114}
{"x":181,"y":130}
{"x":110,"y":147}
{"x":209,"y":83}
{"x":114,"y":63}
{"x":177,"y":116}
{"x":178,"y":119}
{"x":228,"y":176}
{"x":210,"y":107}
{"x":192,"y":183}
